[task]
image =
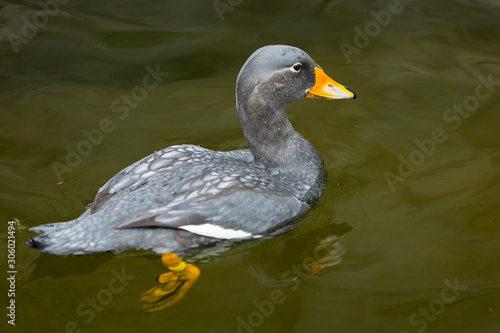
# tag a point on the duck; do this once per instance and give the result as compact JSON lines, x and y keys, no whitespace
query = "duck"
{"x":183,"y":198}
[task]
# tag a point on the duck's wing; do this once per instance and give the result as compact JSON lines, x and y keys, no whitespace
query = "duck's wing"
{"x":213,"y":194}
{"x":137,"y":174}
{"x":225,"y":206}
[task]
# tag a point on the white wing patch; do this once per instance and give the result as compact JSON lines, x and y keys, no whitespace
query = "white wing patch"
{"x":215,"y":231}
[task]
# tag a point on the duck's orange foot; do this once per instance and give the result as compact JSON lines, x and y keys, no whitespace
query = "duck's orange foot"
{"x":172,"y":286}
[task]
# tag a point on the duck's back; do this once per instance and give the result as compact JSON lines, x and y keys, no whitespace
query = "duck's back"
{"x":176,"y":199}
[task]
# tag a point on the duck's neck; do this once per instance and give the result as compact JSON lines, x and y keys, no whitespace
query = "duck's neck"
{"x":275,"y":144}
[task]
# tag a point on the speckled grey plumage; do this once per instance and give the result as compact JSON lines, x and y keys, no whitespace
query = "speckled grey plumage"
{"x":164,"y":201}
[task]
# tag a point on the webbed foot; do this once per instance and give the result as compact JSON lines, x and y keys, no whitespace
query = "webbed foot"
{"x":172,"y":286}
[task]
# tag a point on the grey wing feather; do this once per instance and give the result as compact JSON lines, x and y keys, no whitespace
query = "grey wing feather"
{"x":209,"y":201}
{"x":137,"y":174}
{"x":226,"y":212}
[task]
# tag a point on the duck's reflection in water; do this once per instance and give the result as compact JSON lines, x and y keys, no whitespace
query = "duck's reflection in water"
{"x":283,"y":260}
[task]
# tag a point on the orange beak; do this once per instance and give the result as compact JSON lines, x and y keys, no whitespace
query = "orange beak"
{"x":326,"y":88}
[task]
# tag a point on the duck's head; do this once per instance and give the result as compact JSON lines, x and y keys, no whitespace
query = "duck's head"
{"x":276,"y":75}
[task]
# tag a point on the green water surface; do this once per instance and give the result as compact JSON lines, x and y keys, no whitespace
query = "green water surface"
{"x":413,"y":194}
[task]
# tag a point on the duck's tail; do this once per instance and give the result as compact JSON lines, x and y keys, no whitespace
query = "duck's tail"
{"x":57,"y":238}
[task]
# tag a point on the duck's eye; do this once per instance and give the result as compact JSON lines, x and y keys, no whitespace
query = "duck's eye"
{"x":297,"y":67}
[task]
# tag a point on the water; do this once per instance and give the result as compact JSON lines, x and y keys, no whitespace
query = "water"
{"x":412,"y":196}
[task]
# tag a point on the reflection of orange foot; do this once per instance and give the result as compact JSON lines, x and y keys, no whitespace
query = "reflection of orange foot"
{"x":327,"y":253}
{"x":172,"y":285}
